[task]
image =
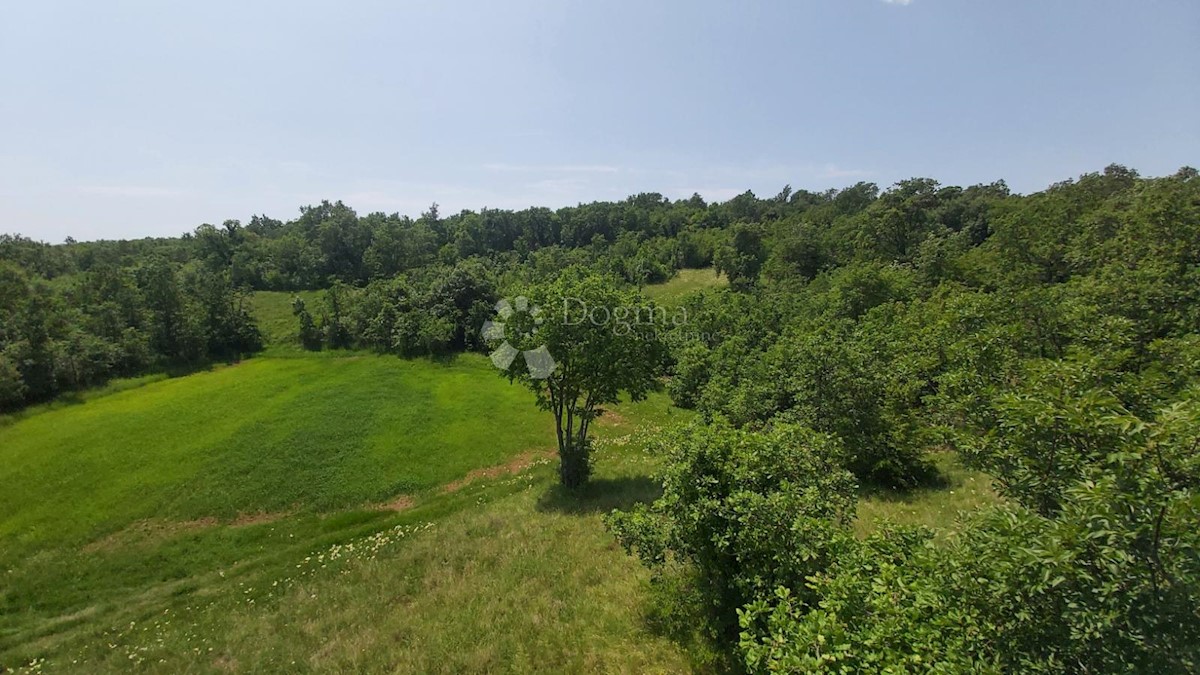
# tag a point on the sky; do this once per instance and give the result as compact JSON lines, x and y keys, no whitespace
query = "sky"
{"x":132,"y":119}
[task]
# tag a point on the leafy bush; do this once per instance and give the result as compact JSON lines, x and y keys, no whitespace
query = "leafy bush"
{"x":746,"y":512}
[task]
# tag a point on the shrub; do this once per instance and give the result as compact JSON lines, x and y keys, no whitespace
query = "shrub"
{"x":745,"y":512}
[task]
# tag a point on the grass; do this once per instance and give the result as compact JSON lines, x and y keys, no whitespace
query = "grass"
{"x":264,"y":435}
{"x":121,"y":493}
{"x":962,"y":491}
{"x":674,"y":291}
{"x":503,"y":573}
{"x":273,"y":312}
{"x":516,"y":579}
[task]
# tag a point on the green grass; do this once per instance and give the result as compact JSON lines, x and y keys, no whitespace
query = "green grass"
{"x":675,"y":290}
{"x":121,"y":492}
{"x":962,"y":491}
{"x":264,"y":435}
{"x":513,"y":578}
{"x":77,"y":397}
{"x":273,"y":312}
{"x":511,"y":575}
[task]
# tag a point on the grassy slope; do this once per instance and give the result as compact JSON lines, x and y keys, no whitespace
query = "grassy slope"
{"x":273,"y":312}
{"x":505,"y":574}
{"x":264,"y":435}
{"x":684,"y":284}
{"x":142,"y":489}
{"x":511,"y":575}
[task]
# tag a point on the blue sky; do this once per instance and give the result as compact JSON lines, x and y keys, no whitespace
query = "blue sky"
{"x":129,"y":119}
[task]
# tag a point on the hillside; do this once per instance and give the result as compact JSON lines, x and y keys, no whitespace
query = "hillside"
{"x":173,"y":496}
{"x":332,"y":511}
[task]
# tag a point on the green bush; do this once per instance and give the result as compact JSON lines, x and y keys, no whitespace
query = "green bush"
{"x":745,"y":512}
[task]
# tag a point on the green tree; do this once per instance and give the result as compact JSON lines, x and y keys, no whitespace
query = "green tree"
{"x":310,"y":335}
{"x":741,"y":514}
{"x":742,"y":256}
{"x":584,"y":342}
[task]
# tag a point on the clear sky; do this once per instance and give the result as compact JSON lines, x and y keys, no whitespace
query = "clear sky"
{"x":129,"y":119}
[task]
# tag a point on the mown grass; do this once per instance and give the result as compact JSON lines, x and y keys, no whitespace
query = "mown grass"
{"x":514,"y":577}
{"x":120,"y":493}
{"x":511,"y":575}
{"x":264,"y":435}
{"x":686,"y":282}
{"x":273,"y":312}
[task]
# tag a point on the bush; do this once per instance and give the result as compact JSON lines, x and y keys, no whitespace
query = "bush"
{"x":745,"y":512}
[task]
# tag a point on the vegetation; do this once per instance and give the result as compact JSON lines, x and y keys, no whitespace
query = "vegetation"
{"x":464,"y":545}
{"x":1005,"y":336}
{"x":685,"y":283}
{"x":109,"y":321}
{"x":856,"y":366}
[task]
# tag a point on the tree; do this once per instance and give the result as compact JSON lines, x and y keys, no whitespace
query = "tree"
{"x":333,"y":321}
{"x":310,"y":335}
{"x":12,"y":388}
{"x":896,"y":224}
{"x":742,"y":257}
{"x":579,"y":343}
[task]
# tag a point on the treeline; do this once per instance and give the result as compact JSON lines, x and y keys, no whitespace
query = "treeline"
{"x":330,"y":242}
{"x":79,"y":331}
{"x":78,"y":313}
{"x":645,"y":238}
{"x":1051,"y":340}
{"x":393,"y":273}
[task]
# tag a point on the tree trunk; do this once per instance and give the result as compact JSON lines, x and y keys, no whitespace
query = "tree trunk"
{"x":574,"y":465}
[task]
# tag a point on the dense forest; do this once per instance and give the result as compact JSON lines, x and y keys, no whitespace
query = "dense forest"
{"x":1051,"y":340}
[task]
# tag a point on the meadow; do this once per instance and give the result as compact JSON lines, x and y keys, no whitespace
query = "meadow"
{"x":273,"y":314}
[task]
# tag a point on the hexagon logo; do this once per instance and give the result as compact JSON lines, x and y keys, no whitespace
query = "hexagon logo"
{"x":522,"y":319}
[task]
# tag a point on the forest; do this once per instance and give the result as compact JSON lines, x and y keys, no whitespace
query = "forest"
{"x":1050,"y":340}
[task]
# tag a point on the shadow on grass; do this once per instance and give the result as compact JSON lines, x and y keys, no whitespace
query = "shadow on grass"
{"x":929,"y":478}
{"x":600,"y":495}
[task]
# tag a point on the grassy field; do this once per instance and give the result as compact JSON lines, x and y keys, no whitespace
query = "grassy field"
{"x":335,"y":512}
{"x":505,"y":573}
{"x":683,"y":284}
{"x":265,"y":435}
{"x":134,"y":488}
